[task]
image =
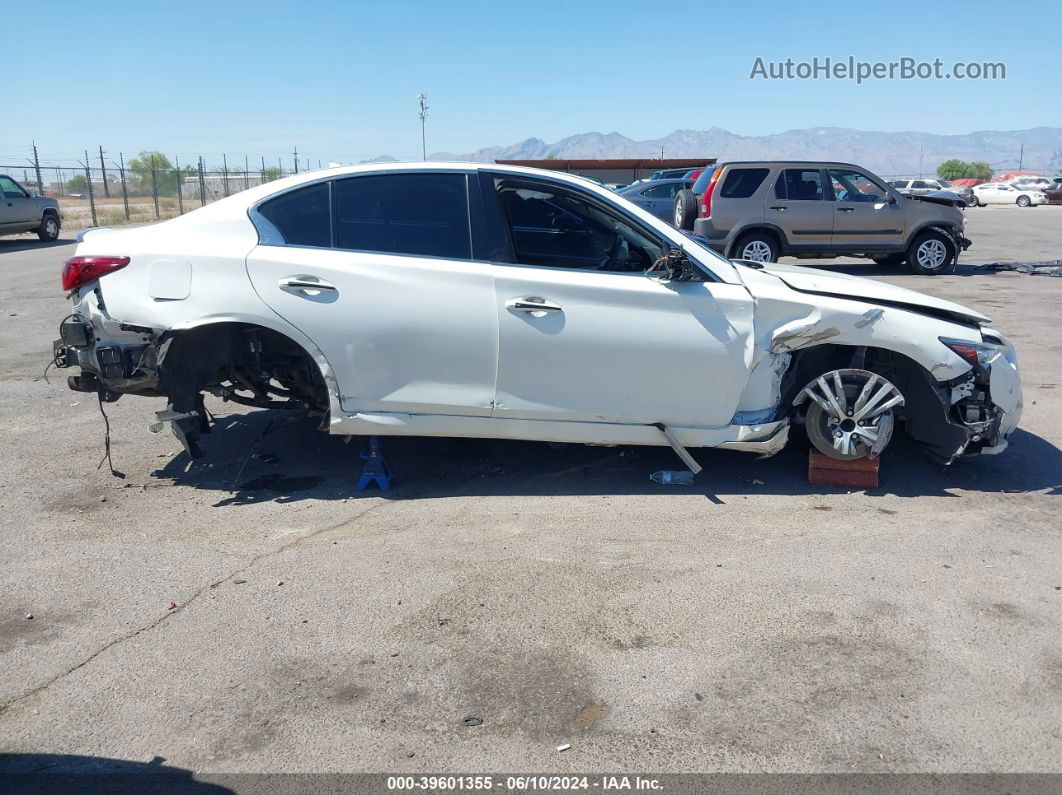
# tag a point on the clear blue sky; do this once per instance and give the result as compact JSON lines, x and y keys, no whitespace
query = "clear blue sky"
{"x":339,"y":80}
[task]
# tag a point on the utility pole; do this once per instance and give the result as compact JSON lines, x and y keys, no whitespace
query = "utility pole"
{"x":103,"y":175}
{"x":295,"y":154}
{"x":1021,"y":157}
{"x":423,"y":100}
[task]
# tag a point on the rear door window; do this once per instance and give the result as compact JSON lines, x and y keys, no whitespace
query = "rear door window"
{"x":741,"y":183}
{"x":412,"y":214}
{"x":302,"y":216}
{"x":800,"y":184}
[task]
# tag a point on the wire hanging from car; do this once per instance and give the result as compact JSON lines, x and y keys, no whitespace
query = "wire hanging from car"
{"x":107,"y":440}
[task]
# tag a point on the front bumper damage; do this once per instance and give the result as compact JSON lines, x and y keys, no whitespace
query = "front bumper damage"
{"x":970,"y":415}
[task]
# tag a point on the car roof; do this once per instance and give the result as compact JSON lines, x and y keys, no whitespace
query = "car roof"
{"x":237,"y":204}
{"x":816,"y":163}
{"x":652,"y":183}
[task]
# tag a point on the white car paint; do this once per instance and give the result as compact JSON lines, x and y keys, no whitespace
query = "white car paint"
{"x":431,"y":346}
{"x":1001,"y":193}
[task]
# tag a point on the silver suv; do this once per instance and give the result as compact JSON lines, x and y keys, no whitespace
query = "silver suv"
{"x":22,"y":212}
{"x":761,"y":211}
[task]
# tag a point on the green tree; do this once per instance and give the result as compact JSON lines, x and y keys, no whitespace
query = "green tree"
{"x":77,"y":184}
{"x":960,"y":169}
{"x":953,"y":169}
{"x":166,"y":175}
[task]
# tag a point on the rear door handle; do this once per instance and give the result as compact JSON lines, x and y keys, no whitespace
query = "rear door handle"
{"x":532,"y":305}
{"x":305,"y":283}
{"x":778,"y":207}
{"x":845,"y":209}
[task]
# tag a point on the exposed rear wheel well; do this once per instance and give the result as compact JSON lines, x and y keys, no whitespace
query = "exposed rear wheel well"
{"x":242,"y":362}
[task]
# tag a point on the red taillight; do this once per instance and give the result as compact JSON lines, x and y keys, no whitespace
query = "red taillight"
{"x":706,"y":202}
{"x":82,"y":270}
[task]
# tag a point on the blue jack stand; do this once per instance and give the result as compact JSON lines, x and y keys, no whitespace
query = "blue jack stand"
{"x":375,"y":468}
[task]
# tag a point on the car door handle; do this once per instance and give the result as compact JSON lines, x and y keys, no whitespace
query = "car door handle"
{"x":845,"y":209}
{"x":780,"y":207}
{"x":298,"y":283}
{"x":532,"y":304}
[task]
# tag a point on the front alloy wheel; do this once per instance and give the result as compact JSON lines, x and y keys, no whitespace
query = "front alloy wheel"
{"x":49,"y":229}
{"x":850,"y":415}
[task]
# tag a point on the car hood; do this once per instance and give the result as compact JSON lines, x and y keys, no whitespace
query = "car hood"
{"x":949,"y":198}
{"x":811,"y":280}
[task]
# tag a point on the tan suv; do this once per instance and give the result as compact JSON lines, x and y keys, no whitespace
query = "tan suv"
{"x":765,"y":210}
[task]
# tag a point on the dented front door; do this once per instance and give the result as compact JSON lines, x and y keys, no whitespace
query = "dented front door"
{"x":619,"y":347}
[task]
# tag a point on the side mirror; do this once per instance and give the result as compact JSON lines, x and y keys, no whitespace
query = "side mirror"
{"x":674,"y":266}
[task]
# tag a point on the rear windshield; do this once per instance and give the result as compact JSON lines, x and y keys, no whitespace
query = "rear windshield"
{"x":741,"y":183}
{"x":701,"y":185}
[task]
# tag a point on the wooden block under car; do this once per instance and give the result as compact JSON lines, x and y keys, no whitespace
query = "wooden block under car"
{"x":825,"y":471}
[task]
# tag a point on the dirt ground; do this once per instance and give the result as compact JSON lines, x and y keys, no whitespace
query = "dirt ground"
{"x":255,"y":613}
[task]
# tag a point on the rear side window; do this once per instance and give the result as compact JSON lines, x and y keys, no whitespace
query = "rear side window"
{"x":419,"y":214}
{"x":798,"y":184}
{"x":302,"y":216}
{"x":741,"y":183}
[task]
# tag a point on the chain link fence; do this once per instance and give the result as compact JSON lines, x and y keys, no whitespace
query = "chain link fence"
{"x":148,"y":187}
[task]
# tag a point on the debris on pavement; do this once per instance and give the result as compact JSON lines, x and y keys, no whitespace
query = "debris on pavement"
{"x":29,"y":616}
{"x":1041,"y":268}
{"x":173,"y":605}
{"x":564,"y":747}
{"x":472,"y":720}
{"x":671,"y":477}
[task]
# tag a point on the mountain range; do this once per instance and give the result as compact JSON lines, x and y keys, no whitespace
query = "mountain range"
{"x":886,"y":153}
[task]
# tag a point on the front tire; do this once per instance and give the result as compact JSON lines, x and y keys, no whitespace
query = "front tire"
{"x":48,"y":231}
{"x":1023,"y":201}
{"x":685,"y":210}
{"x":850,"y":414}
{"x":757,"y":247}
{"x":931,"y":253}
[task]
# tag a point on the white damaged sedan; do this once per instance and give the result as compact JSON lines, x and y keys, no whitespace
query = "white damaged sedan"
{"x":493,"y":301}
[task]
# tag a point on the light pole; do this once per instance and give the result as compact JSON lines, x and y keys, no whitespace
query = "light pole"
{"x":423,"y":100}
